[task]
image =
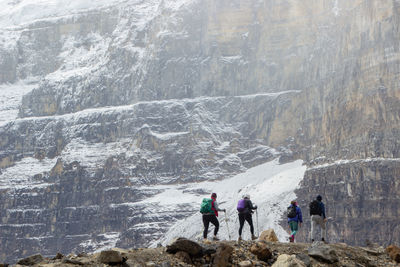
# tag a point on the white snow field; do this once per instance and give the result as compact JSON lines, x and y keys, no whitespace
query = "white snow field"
{"x":271,"y":187}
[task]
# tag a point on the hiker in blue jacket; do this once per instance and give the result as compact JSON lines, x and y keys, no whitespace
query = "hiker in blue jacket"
{"x":295,"y":219}
{"x":211,"y":217}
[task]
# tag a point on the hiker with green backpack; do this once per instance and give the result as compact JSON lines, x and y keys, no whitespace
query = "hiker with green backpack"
{"x":295,"y":219}
{"x":209,"y":208}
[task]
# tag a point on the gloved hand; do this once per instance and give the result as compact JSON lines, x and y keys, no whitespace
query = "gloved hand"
{"x":255,"y":207}
{"x":224,"y":210}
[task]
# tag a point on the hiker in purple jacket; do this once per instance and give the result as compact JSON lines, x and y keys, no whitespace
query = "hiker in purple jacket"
{"x":245,"y":208}
{"x":295,"y":219}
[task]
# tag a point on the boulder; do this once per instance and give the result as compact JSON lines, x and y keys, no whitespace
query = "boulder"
{"x":394,"y":252}
{"x":223,"y":255}
{"x":110,"y":257}
{"x":285,"y":260}
{"x":31,"y":260}
{"x":183,"y":244}
{"x":245,"y":264}
{"x":268,"y":235}
{"x":184,"y":256}
{"x":323,"y":252}
{"x":304,"y":258}
{"x":261,"y":250}
{"x":59,"y":256}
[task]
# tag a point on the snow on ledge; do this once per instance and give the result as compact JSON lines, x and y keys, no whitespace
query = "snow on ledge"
{"x":353,"y":161}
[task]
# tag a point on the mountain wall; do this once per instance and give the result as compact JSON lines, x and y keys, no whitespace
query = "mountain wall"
{"x":361,"y":195}
{"x":129,"y":97}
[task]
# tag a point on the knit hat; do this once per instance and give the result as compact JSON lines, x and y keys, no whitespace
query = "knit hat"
{"x":319,"y":198}
{"x":214,"y":195}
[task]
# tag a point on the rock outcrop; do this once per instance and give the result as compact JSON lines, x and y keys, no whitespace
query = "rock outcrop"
{"x":228,"y":253}
{"x":361,"y":195}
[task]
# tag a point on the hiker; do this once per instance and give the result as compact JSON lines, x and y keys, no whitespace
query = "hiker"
{"x":210,"y":214}
{"x":318,"y":217}
{"x":295,"y":219}
{"x":245,"y":208}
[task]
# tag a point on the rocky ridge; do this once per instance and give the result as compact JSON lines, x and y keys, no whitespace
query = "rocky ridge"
{"x":263,"y":252}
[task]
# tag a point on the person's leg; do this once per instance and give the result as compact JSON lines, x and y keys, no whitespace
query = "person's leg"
{"x":206,"y":223}
{"x":214,"y":220}
{"x":313,"y":226}
{"x":241,"y":223}
{"x":249,"y":220}
{"x":294,"y":227}
{"x":323,"y":229}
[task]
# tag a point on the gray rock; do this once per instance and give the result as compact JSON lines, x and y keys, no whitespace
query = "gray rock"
{"x":31,"y":260}
{"x":323,"y":252}
{"x":304,"y":258}
{"x":223,"y":255}
{"x":245,"y":264}
{"x":285,"y":260}
{"x":261,"y":250}
{"x":184,"y":257}
{"x":183,"y":244}
{"x":110,"y":257}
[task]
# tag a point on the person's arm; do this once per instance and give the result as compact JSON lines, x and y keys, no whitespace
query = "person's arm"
{"x":216,"y":206}
{"x":252,"y":207}
{"x":300,"y":216}
{"x":323,"y":210}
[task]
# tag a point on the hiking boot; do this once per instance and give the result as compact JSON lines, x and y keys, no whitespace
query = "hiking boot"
{"x":239,"y":239}
{"x":291,"y":238}
{"x":323,"y":240}
{"x":215,"y":238}
{"x":312,"y":240}
{"x":253,"y":237}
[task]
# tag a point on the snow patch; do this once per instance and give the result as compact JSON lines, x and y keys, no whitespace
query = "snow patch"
{"x":108,"y":240}
{"x":270,"y":185}
{"x":21,"y":175}
{"x":11,"y":97}
{"x":353,"y":161}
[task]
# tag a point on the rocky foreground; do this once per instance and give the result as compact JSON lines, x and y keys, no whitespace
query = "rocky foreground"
{"x":266,"y":251}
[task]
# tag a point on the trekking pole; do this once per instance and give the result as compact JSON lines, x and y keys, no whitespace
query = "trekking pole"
{"x":258,"y":231}
{"x":227,"y":227}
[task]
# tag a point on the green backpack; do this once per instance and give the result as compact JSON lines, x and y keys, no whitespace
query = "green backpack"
{"x":206,"y":206}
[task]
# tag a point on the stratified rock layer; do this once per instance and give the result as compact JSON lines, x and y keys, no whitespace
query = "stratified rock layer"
{"x":361,"y":197}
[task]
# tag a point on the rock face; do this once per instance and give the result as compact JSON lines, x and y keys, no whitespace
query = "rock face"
{"x":359,"y":194}
{"x":209,"y":88}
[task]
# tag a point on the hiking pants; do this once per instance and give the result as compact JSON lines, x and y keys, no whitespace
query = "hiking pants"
{"x":207,"y":219}
{"x":294,"y":227}
{"x":245,"y":217}
{"x":318,"y":220}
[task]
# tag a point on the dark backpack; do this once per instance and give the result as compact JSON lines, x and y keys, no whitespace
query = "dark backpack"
{"x":206,"y":205}
{"x":315,"y":208}
{"x":241,"y":206}
{"x":291,"y":211}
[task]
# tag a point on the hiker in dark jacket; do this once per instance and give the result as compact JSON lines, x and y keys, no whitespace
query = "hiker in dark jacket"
{"x":296,"y":221}
{"x":212,"y":217}
{"x":245,"y":214}
{"x":318,"y":217}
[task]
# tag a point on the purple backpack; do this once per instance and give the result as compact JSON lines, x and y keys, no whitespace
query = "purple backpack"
{"x":241,"y":206}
